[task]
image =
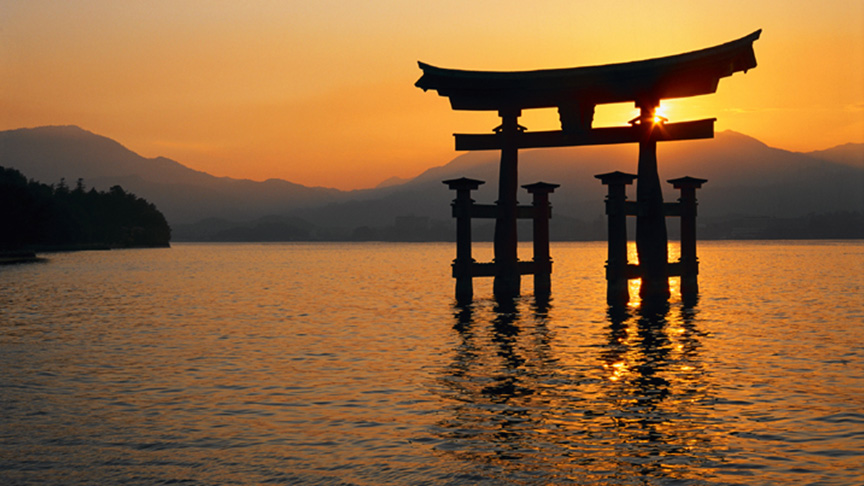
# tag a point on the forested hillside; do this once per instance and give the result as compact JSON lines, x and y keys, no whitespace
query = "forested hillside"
{"x":39,"y":216}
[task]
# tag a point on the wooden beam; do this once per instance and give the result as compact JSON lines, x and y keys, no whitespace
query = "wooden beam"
{"x":669,"y":208}
{"x":674,"y":269}
{"x":487,"y":269}
{"x":689,"y":74}
{"x":690,"y":130}
{"x":490,"y":211}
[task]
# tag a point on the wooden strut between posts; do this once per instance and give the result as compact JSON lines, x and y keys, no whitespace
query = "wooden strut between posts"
{"x":487,"y":269}
{"x":674,"y":269}
{"x":490,"y":211}
{"x":670,"y":209}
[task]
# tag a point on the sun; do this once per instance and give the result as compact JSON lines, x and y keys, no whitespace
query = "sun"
{"x":660,"y":115}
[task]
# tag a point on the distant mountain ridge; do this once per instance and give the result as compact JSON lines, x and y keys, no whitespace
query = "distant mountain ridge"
{"x":54,"y":152}
{"x":746,"y":179}
{"x":184,"y":195}
{"x":849,"y":154}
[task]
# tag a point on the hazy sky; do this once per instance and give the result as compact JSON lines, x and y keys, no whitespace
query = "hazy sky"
{"x":320,"y":92}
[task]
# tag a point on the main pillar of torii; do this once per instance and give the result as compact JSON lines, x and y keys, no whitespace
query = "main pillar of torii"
{"x":575,"y":92}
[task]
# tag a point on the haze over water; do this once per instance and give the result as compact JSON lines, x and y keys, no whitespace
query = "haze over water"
{"x":351,"y":364}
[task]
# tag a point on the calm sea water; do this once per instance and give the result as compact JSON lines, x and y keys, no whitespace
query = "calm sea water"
{"x":350,"y":364}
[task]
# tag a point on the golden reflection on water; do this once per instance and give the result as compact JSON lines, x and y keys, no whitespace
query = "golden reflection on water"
{"x":522,"y":402}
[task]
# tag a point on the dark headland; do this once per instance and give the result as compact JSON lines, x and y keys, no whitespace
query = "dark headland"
{"x":38,"y":218}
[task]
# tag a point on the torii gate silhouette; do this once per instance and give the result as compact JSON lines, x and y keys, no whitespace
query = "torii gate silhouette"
{"x":575,"y":92}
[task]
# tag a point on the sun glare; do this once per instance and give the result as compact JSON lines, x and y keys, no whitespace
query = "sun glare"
{"x":659,"y":115}
{"x":657,"y":118}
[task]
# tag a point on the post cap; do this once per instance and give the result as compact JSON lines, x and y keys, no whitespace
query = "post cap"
{"x":463,"y":183}
{"x":541,"y":187}
{"x":682,"y":182}
{"x":616,"y":178}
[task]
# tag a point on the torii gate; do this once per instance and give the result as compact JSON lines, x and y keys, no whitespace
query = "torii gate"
{"x":575,"y":92}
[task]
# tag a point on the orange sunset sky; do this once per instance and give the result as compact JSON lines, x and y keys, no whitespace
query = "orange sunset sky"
{"x":322,"y":92}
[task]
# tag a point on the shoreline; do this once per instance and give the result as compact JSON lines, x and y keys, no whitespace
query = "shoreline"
{"x":31,"y":255}
{"x":22,"y":256}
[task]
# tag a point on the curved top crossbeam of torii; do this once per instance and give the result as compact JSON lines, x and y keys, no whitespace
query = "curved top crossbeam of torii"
{"x":576,"y":91}
{"x":689,"y":74}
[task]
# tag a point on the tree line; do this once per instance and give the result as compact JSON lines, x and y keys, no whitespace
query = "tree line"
{"x":34,"y":215}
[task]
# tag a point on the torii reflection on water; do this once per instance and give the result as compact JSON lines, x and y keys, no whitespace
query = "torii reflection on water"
{"x":531,"y":395}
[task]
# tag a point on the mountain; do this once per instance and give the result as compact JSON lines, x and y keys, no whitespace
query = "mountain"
{"x":184,"y":195}
{"x":851,"y":154}
{"x":753,"y":189}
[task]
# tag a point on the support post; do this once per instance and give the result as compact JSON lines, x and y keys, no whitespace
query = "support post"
{"x":507,"y":280}
{"x":462,"y":212}
{"x":542,"y":259}
{"x":689,"y":262}
{"x":617,"y":288}
{"x":651,"y":239}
